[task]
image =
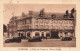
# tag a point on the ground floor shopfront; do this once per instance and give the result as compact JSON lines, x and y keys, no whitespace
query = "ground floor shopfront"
{"x":46,"y":33}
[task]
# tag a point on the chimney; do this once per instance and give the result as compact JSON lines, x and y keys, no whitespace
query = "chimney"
{"x":72,"y":13}
{"x":41,"y":13}
{"x":23,"y":14}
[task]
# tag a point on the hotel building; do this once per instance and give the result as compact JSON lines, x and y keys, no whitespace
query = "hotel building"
{"x":42,"y":24}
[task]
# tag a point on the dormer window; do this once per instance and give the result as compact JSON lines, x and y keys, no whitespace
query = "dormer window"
{"x":30,"y":13}
{"x":66,"y":15}
{"x":23,"y":14}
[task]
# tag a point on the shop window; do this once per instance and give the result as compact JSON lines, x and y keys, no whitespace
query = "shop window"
{"x":47,"y":34}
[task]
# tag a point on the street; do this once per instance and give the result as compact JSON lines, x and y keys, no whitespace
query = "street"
{"x":43,"y":43}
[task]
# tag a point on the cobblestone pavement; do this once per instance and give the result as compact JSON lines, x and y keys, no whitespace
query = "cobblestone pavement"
{"x":44,"y":43}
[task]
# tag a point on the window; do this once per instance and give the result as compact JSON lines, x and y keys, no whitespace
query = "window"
{"x":25,"y":22}
{"x":72,"y":34}
{"x":47,"y":34}
{"x":47,"y":26}
{"x":42,"y":26}
{"x":36,"y":26}
{"x":61,"y":32}
{"x":51,"y":26}
{"x":37,"y":34}
{"x":66,"y":33}
{"x":44,"y":21}
{"x":52,"y":22}
{"x":36,"y":20}
{"x":47,"y":21}
{"x":28,"y":34}
{"x":42,"y":34}
{"x":41,"y":20}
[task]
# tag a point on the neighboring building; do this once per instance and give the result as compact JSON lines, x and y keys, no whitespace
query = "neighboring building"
{"x":12,"y":27}
{"x":42,"y":24}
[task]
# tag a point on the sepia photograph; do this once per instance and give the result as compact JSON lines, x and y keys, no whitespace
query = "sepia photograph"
{"x":39,"y":25}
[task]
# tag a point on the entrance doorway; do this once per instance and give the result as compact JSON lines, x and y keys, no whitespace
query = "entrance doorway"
{"x":54,"y":34}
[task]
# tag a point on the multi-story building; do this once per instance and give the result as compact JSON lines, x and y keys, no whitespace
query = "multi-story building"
{"x":42,"y":24}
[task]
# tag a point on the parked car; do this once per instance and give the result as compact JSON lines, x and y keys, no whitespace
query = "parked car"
{"x":34,"y":39}
{"x":14,"y":39}
{"x":66,"y":38}
{"x":23,"y":37}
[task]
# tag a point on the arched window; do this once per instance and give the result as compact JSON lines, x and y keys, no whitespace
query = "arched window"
{"x":19,"y":34}
{"x":28,"y":34}
{"x":66,"y":33}
{"x":37,"y":34}
{"x":42,"y":34}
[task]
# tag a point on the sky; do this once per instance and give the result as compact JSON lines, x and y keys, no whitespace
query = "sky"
{"x":17,"y":9}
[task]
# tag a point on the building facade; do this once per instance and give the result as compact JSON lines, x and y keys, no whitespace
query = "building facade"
{"x":42,"y":24}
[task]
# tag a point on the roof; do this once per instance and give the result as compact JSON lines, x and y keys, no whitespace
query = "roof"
{"x":47,"y":15}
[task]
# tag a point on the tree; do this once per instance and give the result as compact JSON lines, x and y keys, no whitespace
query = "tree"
{"x":4,"y":28}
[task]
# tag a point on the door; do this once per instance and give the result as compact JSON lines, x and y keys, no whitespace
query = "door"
{"x":54,"y":34}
